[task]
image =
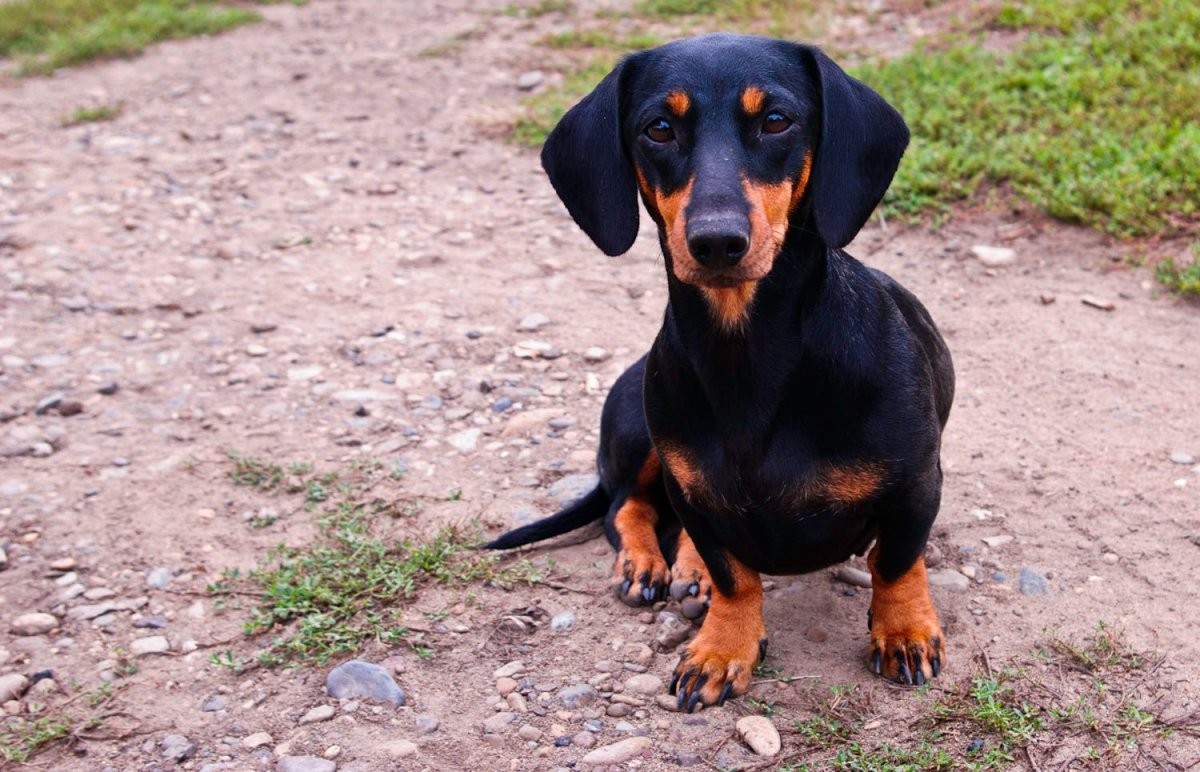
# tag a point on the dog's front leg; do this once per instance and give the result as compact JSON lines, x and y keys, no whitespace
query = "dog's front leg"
{"x":720,"y":660}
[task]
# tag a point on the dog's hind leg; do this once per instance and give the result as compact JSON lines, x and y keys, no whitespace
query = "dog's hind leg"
{"x":640,"y":573}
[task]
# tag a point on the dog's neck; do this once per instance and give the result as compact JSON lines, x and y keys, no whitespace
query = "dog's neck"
{"x":773,"y":306}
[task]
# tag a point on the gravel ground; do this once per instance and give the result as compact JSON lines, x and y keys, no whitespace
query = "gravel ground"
{"x":301,"y":241}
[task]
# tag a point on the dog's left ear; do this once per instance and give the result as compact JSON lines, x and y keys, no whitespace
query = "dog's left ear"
{"x":862,"y":141}
{"x":590,"y":169}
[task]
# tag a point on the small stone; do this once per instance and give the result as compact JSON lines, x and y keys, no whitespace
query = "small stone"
{"x":466,"y":440}
{"x":35,"y":623}
{"x":1180,"y":457}
{"x":618,"y":752}
{"x":855,"y":577}
{"x":584,"y":740}
{"x":1100,"y":303}
{"x":263,"y":326}
{"x":257,"y":350}
{"x":527,"y":81}
{"x":576,"y":696}
{"x":304,"y":764}
{"x":618,"y":710}
{"x":1033,"y":583}
{"x":177,"y":748}
{"x":109,"y":389}
{"x":363,"y":680}
{"x":532,"y":322}
{"x":672,"y":631}
{"x":505,"y":685}
{"x":256,"y":740}
{"x":1110,"y":557}
{"x":993,"y":257}
{"x":760,"y":735}
{"x":531,"y":349}
{"x":155,"y":644}
{"x":509,"y":670}
{"x":12,"y":686}
{"x":949,"y":578}
{"x":645,"y":683}
{"x":996,"y":541}
{"x":562,"y":622}
{"x":595,"y":354}
{"x":528,"y":732}
{"x":400,"y":749}
{"x":317,"y":714}
{"x":666,"y":702}
{"x":498,"y":722}
{"x":62,"y":565}
{"x":427,"y":724}
{"x":159,"y":578}
{"x":517,"y":703}
{"x":213,"y":704}
{"x":933,"y":555}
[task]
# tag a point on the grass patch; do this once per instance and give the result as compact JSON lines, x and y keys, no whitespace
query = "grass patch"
{"x":23,"y":737}
{"x":1079,"y":118}
{"x":1182,"y":276}
{"x":1094,"y":703}
{"x":538,"y":8}
{"x":46,"y":35}
{"x":91,"y":115}
{"x":346,"y":590}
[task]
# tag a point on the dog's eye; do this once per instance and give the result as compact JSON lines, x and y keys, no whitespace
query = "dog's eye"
{"x":660,"y":131}
{"x":775,"y":123}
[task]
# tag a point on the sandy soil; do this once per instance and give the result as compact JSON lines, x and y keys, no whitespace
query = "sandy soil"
{"x":316,"y":178}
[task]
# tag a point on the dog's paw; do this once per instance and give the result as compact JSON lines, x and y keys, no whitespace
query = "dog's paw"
{"x":640,"y":577}
{"x":719,"y":662}
{"x":907,"y":646}
{"x":691,"y":585}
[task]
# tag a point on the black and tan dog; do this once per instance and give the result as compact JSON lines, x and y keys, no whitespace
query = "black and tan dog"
{"x":790,"y":410}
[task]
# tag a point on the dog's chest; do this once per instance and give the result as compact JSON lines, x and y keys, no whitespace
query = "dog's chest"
{"x":782,"y":481}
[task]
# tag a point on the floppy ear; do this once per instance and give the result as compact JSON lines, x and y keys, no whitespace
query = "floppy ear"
{"x":591,"y":171}
{"x":862,"y":140}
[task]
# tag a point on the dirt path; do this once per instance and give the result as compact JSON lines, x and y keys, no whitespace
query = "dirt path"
{"x":317,"y":179}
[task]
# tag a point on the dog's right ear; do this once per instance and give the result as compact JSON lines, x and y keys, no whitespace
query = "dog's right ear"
{"x":590,"y":169}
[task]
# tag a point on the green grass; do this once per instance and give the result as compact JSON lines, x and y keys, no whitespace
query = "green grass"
{"x":1181,"y":276}
{"x":92,"y":115}
{"x":23,"y":737}
{"x":1094,"y":117}
{"x":20,"y":739}
{"x":46,"y":35}
{"x":349,"y":588}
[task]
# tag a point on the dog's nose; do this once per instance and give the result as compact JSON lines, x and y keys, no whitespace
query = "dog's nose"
{"x":717,"y":242}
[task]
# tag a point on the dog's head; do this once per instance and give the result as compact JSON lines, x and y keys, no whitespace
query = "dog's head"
{"x":732,"y":141}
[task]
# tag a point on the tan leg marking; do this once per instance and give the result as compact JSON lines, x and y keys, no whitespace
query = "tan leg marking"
{"x":907,"y":643}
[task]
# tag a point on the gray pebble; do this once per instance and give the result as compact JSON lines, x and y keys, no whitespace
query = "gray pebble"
{"x":528,"y":81}
{"x":177,"y":748}
{"x":572,"y":487}
{"x":362,"y":679}
{"x":1033,"y":583}
{"x":949,"y":578}
{"x":213,"y":704}
{"x":593,"y":725}
{"x":1180,"y":457}
{"x":159,"y":578}
{"x":563,"y":622}
{"x":499,"y":721}
{"x":304,"y":764}
{"x":532,"y":322}
{"x":576,"y":696}
{"x":427,"y":724}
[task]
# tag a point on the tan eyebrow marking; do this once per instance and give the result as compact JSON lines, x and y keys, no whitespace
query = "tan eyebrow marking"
{"x":679,"y":103}
{"x":752,"y":100}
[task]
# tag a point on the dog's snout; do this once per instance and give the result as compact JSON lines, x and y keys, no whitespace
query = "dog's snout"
{"x":719,"y":242}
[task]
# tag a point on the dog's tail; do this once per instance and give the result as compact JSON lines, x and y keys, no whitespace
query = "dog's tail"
{"x":591,"y":507}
